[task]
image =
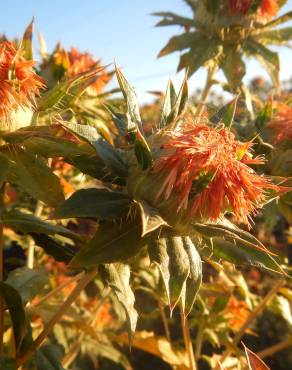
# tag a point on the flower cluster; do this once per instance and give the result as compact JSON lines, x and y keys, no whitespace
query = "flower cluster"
{"x":267,"y":8}
{"x":207,"y":170}
{"x":19,"y":84}
{"x":73,"y":63}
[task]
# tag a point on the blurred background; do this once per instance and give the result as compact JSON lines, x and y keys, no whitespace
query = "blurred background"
{"x":121,"y":31}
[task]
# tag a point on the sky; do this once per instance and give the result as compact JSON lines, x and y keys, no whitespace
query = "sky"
{"x":117,"y":30}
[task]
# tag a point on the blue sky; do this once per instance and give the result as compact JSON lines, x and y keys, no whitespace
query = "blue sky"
{"x":121,"y":30}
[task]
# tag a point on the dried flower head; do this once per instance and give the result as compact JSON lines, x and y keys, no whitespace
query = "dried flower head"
{"x":282,"y":124}
{"x":206,"y":171}
{"x":19,"y":84}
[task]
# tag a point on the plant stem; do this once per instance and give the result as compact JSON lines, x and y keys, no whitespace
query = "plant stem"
{"x":55,"y":291}
{"x":275,"y":348}
{"x":207,"y":88}
{"x":62,"y":310}
{"x":75,"y":348}
{"x":187,"y":339}
{"x":31,"y":245}
{"x":2,"y":192}
{"x":199,"y":339}
{"x":250,"y":319}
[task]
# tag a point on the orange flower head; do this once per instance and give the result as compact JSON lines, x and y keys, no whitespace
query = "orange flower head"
{"x":19,"y":84}
{"x":282,"y":124}
{"x":205,"y":173}
{"x":83,"y":62}
{"x":269,"y":8}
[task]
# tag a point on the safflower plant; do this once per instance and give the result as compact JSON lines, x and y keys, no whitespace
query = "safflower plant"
{"x":172,"y":195}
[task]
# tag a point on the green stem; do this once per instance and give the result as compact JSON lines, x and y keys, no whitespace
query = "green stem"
{"x":207,"y":88}
{"x":199,"y":339}
{"x":58,"y":315}
{"x":187,"y":339}
{"x":31,"y":245}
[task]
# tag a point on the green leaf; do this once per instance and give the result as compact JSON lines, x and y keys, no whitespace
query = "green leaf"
{"x":4,"y":168}
{"x":265,"y":115}
{"x":117,"y":276}
{"x":204,"y":50}
{"x":17,"y":313}
{"x":268,"y":58}
{"x":179,"y":269}
{"x":280,"y":36}
{"x":230,"y":233}
{"x":113,"y":242}
{"x":34,"y":176}
{"x":233,"y":67}
{"x":168,"y":104}
{"x":49,"y":358}
{"x":64,"y":94}
{"x":7,"y":363}
{"x":226,"y":113}
{"x":142,"y":151}
{"x":178,"y":106}
{"x":134,"y":119}
{"x":28,"y":223}
{"x":49,"y":141}
{"x":172,"y":19}
{"x":29,"y":283}
{"x":280,"y":20}
{"x":151,"y":219}
{"x":111,"y":157}
{"x":26,"y":41}
{"x":158,"y":255}
{"x":241,"y":255}
{"x":61,"y":252}
{"x":194,"y":278}
{"x":181,"y":42}
{"x":96,"y":203}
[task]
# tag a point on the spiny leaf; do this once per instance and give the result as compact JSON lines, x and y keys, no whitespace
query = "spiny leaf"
{"x":253,"y":361}
{"x":28,"y":223}
{"x":16,"y":310}
{"x":268,"y":58}
{"x":34,"y":176}
{"x":111,"y":157}
{"x":134,"y":120}
{"x":142,"y":151}
{"x":194,"y":279}
{"x":96,"y":203}
{"x":157,"y":250}
{"x":61,"y":252}
{"x":26,"y":41}
{"x":151,"y":219}
{"x":226,"y":113}
{"x":241,"y":255}
{"x":111,"y":243}
{"x":117,"y":276}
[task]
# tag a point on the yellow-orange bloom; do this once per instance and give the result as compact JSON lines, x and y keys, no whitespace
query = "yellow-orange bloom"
{"x":206,"y":171}
{"x":82,"y":62}
{"x":282,"y":124}
{"x":19,"y":84}
{"x":269,"y":8}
